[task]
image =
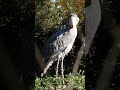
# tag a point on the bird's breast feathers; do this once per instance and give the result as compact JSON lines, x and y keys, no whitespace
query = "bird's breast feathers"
{"x":58,"y":42}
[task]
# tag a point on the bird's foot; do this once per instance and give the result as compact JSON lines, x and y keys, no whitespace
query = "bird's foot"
{"x":42,"y":74}
{"x":63,"y":85}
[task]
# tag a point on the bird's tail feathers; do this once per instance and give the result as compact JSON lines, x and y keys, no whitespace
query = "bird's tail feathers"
{"x":49,"y":64}
{"x":51,"y":60}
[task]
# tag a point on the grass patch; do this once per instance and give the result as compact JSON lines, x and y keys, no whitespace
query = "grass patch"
{"x":55,"y":83}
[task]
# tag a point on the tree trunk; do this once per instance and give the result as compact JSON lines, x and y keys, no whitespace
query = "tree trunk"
{"x":39,"y":57}
{"x":79,"y":57}
{"x":110,"y":61}
{"x":8,"y":71}
{"x":92,"y":21}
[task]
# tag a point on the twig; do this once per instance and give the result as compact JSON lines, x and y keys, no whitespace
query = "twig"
{"x":79,"y":57}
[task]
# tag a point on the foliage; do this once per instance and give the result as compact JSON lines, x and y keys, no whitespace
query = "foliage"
{"x":16,"y":16}
{"x":49,"y":83}
{"x":49,"y":15}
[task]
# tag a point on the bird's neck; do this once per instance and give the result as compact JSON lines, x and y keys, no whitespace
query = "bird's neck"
{"x":73,"y":28}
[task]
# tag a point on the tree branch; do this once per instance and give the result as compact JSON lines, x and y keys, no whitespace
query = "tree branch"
{"x":79,"y":57}
{"x":39,"y":57}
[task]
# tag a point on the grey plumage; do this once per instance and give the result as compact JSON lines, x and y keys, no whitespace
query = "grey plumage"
{"x":59,"y":44}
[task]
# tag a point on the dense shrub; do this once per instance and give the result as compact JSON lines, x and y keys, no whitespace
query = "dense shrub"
{"x":50,"y":83}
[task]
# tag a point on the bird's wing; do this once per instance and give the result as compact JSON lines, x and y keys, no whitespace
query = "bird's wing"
{"x":57,"y":43}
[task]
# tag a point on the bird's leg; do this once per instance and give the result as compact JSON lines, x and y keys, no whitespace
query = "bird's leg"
{"x":62,"y":70}
{"x":57,"y":67}
{"x":47,"y":67}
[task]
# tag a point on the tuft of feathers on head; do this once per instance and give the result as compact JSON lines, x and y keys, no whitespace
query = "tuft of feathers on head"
{"x":73,"y":20}
{"x":74,"y":15}
{"x":65,"y":21}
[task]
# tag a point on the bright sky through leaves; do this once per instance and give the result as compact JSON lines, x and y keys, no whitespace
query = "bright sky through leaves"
{"x":53,"y":0}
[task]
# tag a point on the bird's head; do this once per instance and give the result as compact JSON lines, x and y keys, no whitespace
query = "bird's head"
{"x":73,"y":21}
